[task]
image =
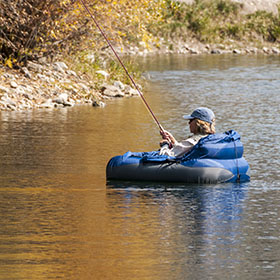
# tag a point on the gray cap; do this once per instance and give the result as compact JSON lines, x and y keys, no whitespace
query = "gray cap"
{"x":201,"y":113}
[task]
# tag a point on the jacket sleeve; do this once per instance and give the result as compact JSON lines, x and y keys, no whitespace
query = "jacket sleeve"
{"x":178,"y":149}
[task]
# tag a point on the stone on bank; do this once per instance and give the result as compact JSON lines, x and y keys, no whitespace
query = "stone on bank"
{"x":44,"y":85}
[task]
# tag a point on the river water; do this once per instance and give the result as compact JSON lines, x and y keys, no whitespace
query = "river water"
{"x":59,"y":219}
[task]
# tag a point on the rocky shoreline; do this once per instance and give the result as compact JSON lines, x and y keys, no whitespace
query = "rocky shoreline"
{"x":42,"y":84}
{"x":45,"y":85}
{"x":194,"y":47}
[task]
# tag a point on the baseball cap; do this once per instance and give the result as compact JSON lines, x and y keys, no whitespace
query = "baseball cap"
{"x":201,"y":113}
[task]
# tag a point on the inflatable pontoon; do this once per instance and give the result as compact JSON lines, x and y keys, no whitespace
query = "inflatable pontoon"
{"x":217,"y":158}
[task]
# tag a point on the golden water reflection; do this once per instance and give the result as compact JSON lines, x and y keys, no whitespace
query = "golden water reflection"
{"x":59,"y":219}
{"x":73,"y":234}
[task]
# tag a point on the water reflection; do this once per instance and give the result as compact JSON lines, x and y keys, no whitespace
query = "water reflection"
{"x":59,"y":220}
{"x":172,"y":219}
{"x":243,"y":93}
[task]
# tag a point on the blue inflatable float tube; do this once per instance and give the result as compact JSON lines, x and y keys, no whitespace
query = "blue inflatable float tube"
{"x":217,"y":158}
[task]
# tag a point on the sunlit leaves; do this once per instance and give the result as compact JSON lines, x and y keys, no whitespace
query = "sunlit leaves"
{"x":9,"y":63}
{"x":55,"y":26}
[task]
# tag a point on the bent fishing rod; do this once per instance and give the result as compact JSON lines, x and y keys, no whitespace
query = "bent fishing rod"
{"x":123,"y":66}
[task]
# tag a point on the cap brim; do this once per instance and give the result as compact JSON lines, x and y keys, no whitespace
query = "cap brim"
{"x":188,"y":117}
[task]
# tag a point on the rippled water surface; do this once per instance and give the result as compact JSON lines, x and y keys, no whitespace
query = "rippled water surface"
{"x":60,"y":220}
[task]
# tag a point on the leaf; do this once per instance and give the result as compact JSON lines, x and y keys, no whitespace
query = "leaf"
{"x":9,"y":63}
{"x":53,"y":34}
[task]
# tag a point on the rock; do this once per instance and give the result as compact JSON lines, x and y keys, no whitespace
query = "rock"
{"x":111,"y":91}
{"x":252,"y":6}
{"x":253,"y":50}
{"x":69,"y":104}
{"x":47,"y":104}
{"x":236,"y":51}
{"x":60,"y":66}
{"x":48,"y":73}
{"x":26,"y":73}
{"x":51,"y":80}
{"x":28,"y":89}
{"x":34,"y":67}
{"x":27,"y":96}
{"x":3,"y":104}
{"x":130,"y":91}
{"x":58,"y":105}
{"x":61,"y":99}
{"x":24,"y":104}
{"x":10,"y":103}
{"x":119,"y":85}
{"x":72,"y":73}
{"x":103,"y":73}
{"x":71,"y":101}
{"x":275,"y":50}
{"x":87,"y":101}
{"x":193,"y":51}
{"x":98,"y":103}
{"x":216,"y":51}
{"x":13,"y":84}
{"x":9,"y":76}
{"x":58,"y":75}
{"x":83,"y":86}
{"x":4,"y":89}
{"x":182,"y":50}
{"x":42,"y":60}
{"x":266,"y":50}
{"x":19,"y":90}
{"x":43,"y":77}
{"x":91,"y":58}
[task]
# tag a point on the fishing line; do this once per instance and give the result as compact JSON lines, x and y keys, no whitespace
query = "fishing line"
{"x":123,"y":66}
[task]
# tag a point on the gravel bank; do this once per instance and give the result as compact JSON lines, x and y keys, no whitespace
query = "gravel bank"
{"x":44,"y":85}
{"x":53,"y":85}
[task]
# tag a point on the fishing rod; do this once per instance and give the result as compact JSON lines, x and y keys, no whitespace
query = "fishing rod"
{"x":123,"y":66}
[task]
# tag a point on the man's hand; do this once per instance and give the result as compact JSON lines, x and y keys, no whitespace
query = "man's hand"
{"x":168,"y":136}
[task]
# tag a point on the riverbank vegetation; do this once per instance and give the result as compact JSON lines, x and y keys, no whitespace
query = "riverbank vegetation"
{"x":217,"y":22}
{"x":63,"y":30}
{"x":34,"y":28}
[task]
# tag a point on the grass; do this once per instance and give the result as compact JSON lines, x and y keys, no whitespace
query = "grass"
{"x":216,"y":21}
{"x":207,"y":21}
{"x":84,"y":64}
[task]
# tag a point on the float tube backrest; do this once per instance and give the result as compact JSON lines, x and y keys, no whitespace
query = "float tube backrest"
{"x":217,"y":146}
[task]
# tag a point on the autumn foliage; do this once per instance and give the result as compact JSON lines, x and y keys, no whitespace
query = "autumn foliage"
{"x":26,"y":25}
{"x":32,"y":28}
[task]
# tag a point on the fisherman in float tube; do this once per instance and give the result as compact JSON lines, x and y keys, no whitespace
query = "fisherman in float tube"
{"x":201,"y":124}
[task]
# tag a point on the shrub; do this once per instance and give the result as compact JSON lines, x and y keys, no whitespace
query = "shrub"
{"x":29,"y":26}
